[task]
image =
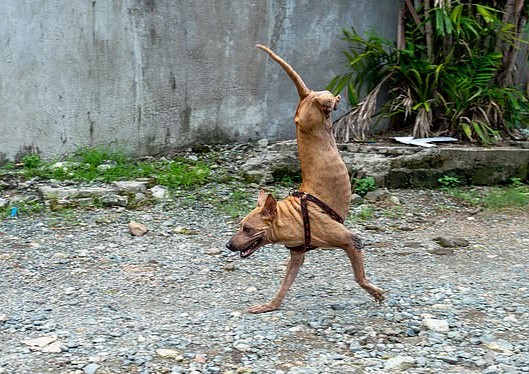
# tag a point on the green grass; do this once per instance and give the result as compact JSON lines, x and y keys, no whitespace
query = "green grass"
{"x":515,"y":195}
{"x":505,"y":198}
{"x":97,"y":164}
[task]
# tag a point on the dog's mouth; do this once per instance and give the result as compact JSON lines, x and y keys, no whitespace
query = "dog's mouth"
{"x":251,"y":248}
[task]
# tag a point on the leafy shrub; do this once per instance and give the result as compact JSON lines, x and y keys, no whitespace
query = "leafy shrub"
{"x":31,"y":161}
{"x":364,"y":185}
{"x":449,"y":182}
{"x":451,"y":73}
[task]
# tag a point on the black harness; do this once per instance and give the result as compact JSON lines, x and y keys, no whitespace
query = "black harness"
{"x":303,"y":198}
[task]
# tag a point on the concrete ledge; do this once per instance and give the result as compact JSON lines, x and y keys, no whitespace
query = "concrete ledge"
{"x":397,"y":166}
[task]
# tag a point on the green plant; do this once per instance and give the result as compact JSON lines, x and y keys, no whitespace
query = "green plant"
{"x":468,"y":196}
{"x":364,"y":185}
{"x":31,"y":161}
{"x":517,"y":183}
{"x":394,"y":212}
{"x":449,"y":182}
{"x":365,"y":213}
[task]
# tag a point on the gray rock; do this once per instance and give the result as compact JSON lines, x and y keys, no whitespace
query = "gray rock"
{"x":159,"y":192}
{"x":379,"y":194}
{"x":91,"y":368}
{"x":60,"y":193}
{"x":263,"y":143}
{"x":132,"y":187}
{"x":271,"y":165}
{"x":4,"y":203}
{"x":448,"y":242}
{"x":394,"y":200}
{"x":434,"y":324}
{"x":356,"y":199}
{"x":452,"y":360}
{"x":399,"y":363}
{"x":442,"y":251}
{"x":114,"y":200}
{"x":137,"y":229}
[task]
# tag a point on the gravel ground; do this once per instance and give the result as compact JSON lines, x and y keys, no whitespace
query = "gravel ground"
{"x":79,"y":294}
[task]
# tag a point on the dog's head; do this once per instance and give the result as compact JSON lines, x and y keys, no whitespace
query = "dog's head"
{"x":327,"y":101}
{"x":255,"y":227}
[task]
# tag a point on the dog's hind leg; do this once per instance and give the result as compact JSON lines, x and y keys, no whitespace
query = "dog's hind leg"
{"x":296,"y":260}
{"x":337,"y":235}
{"x":356,"y":256}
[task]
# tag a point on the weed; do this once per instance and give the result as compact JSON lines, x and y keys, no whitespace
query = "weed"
{"x":394,"y":212}
{"x":176,"y":173}
{"x":99,"y":156}
{"x":517,"y":183}
{"x":365,"y":213}
{"x":448,"y":182}
{"x":364,"y":185}
{"x":31,"y":161}
{"x":470,"y":197}
{"x":23,"y":207}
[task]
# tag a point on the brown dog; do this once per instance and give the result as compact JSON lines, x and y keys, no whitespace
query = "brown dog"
{"x":324,"y":176}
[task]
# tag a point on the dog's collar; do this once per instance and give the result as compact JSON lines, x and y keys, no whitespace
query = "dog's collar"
{"x":303,"y":198}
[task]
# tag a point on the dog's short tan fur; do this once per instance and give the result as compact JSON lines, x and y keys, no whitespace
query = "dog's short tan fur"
{"x":325,"y":176}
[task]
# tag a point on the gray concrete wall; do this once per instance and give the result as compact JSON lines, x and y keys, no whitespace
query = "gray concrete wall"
{"x":152,"y":75}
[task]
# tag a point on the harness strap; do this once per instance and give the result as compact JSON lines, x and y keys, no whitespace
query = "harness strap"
{"x":303,"y":198}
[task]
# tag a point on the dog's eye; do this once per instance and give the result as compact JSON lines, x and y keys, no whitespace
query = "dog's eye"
{"x":246,"y":229}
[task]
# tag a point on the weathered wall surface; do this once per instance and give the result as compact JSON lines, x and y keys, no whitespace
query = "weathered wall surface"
{"x":151,"y":75}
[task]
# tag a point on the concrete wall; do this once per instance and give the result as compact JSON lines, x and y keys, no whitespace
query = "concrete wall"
{"x":152,"y":75}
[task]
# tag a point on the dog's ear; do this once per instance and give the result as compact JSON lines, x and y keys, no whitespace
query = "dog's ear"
{"x":338,"y":98}
{"x":329,"y":102}
{"x":269,"y":209}
{"x":261,"y":199}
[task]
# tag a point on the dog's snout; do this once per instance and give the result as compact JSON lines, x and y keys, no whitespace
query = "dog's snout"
{"x":230,"y":246}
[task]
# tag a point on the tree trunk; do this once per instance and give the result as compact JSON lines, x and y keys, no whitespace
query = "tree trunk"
{"x":428,"y":31}
{"x":512,"y":15}
{"x":401,"y":31}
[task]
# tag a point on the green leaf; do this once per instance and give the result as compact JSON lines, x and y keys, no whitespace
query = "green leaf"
{"x":439,"y":21}
{"x":487,"y":13}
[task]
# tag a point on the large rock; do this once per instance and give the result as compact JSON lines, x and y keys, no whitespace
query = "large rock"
{"x":70,"y":193}
{"x":276,"y":162}
{"x":132,"y":187}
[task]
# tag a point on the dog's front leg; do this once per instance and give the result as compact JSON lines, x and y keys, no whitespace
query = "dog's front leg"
{"x":296,"y":260}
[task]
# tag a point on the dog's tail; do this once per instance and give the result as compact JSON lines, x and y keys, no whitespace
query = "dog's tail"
{"x":303,"y":90}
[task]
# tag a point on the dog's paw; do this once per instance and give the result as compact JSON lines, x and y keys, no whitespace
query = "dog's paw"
{"x":262,"y":308}
{"x":376,"y":292}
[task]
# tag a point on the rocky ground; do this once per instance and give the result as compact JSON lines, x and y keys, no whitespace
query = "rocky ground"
{"x":80,"y":294}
